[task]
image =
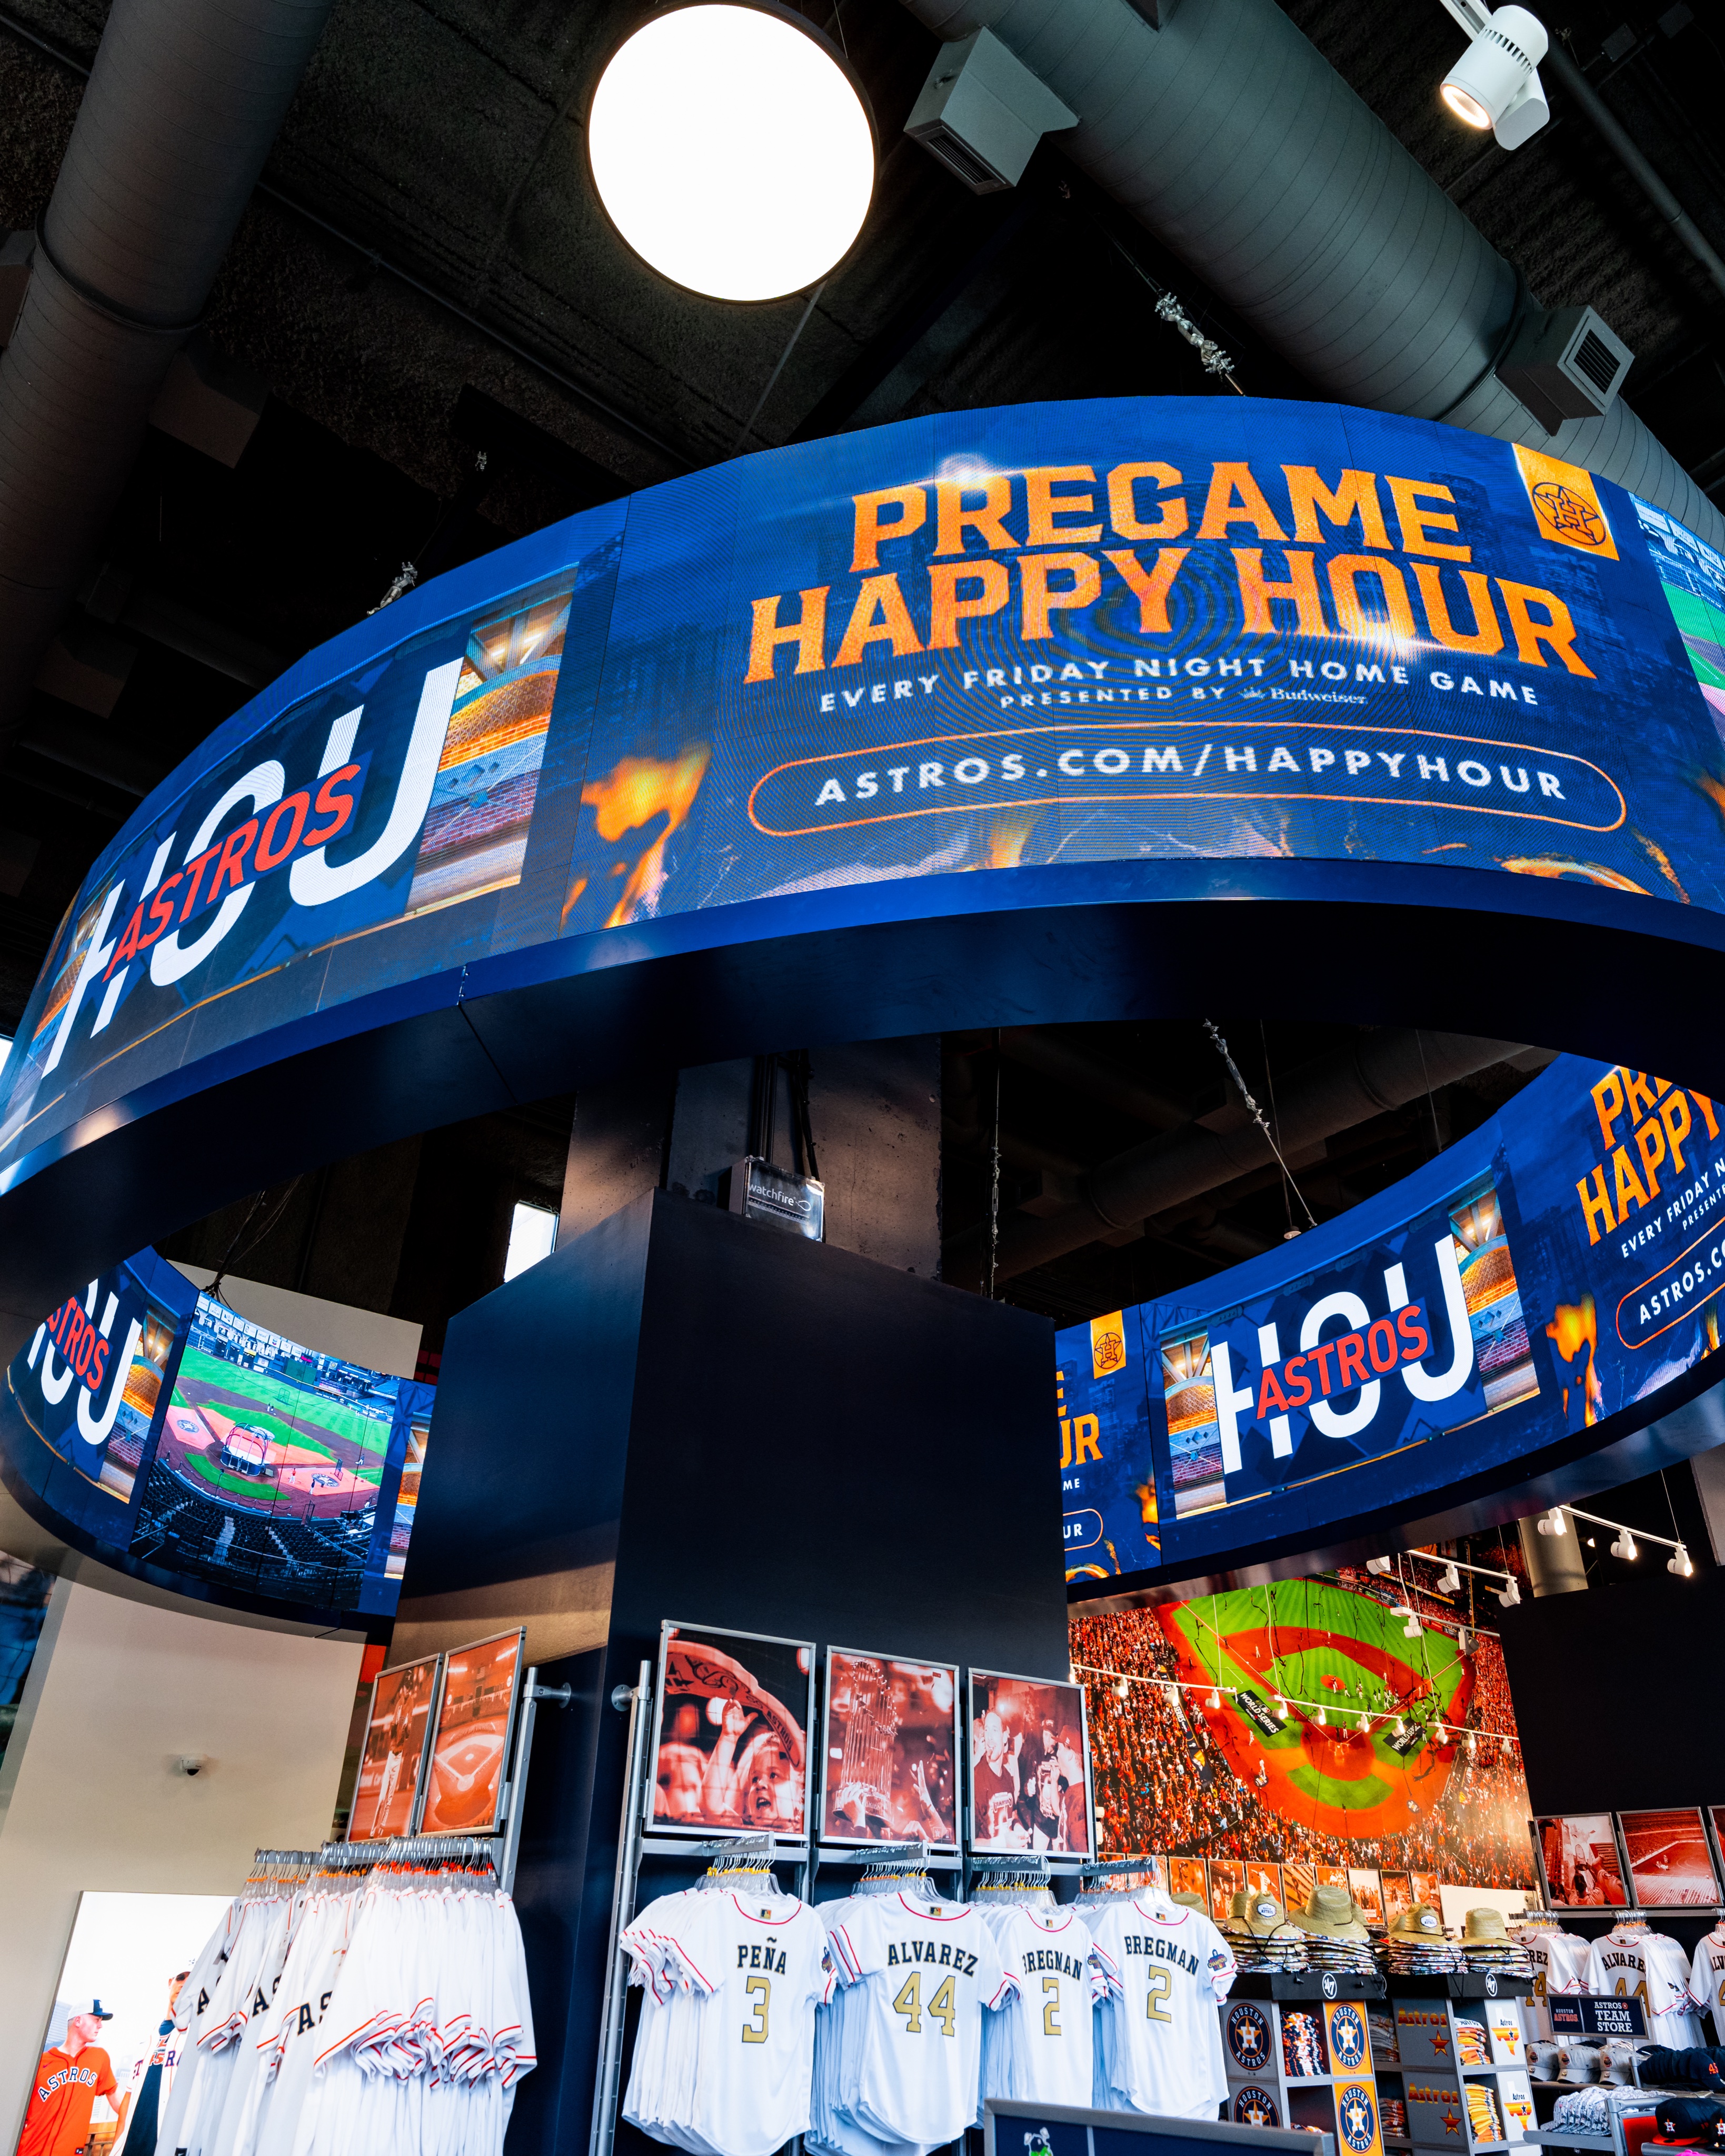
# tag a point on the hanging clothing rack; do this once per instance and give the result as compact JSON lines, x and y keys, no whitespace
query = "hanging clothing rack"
{"x":411,"y":1848}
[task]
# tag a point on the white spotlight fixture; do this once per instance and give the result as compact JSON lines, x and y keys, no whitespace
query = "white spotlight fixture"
{"x":1448,"y":1581}
{"x":1322,"y":1719}
{"x":1464,"y":1639}
{"x":1496,"y":82}
{"x":1412,"y":1629}
{"x":1552,"y":1522}
{"x":1380,"y":1565}
{"x":1214,"y":1701}
{"x":1282,"y":1708}
{"x":1624,"y":1546}
{"x":732,"y":150}
{"x":1679,"y":1563}
{"x":1123,"y":1689}
{"x":1509,"y":1595}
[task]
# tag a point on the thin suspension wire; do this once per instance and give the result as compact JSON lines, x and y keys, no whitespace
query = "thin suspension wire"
{"x":994,"y":1183}
{"x":1437,"y":1143}
{"x":772,"y":379}
{"x":1287,"y":1202}
{"x":1257,"y":1115}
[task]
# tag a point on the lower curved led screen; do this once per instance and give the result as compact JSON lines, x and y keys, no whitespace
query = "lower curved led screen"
{"x":1133,"y":630}
{"x":156,"y":1428}
{"x":1561,"y":1263}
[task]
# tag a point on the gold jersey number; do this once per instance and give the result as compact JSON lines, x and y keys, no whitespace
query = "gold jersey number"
{"x":943,"y":2006}
{"x":1161,"y":1984}
{"x":759,"y":1991}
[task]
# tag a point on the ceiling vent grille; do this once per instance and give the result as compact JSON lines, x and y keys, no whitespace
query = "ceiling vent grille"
{"x":1568,"y":365}
{"x":982,"y":112}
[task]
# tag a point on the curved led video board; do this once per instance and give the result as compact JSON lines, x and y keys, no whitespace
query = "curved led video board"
{"x":968,"y":717}
{"x":1554,"y":1272}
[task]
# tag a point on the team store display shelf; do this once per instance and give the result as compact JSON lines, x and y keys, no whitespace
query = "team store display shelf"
{"x":1451,"y":2059}
{"x":1299,"y":2060}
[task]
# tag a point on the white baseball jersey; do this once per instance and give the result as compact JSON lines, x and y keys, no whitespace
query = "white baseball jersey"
{"x":1039,"y":2045}
{"x":1560,"y":1961}
{"x":1706,"y":1979}
{"x":1169,"y":1969}
{"x":930,"y":1970}
{"x":1654,"y":1970}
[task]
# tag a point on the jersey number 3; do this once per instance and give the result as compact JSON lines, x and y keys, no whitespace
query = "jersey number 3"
{"x":942,"y":2006}
{"x":760,"y":1991}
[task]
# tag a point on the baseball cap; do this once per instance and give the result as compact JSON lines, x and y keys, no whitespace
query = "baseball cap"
{"x":95,"y":2009}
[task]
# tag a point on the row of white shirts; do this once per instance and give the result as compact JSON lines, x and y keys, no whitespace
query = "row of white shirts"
{"x":877,"y":2026}
{"x":1672,"y":1986}
{"x":393,"y":2019}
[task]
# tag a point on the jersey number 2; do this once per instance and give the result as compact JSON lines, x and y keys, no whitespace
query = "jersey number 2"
{"x":760,"y":1991}
{"x":1051,"y":2013}
{"x":1161,"y":1984}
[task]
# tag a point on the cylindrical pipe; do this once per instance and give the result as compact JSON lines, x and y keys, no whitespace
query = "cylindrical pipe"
{"x":1383,"y":1070}
{"x":182,"y":106}
{"x":1232,"y":138}
{"x":1655,"y":188}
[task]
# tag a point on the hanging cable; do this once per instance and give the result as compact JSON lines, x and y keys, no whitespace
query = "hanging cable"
{"x":790,"y":346}
{"x":994,"y":1183}
{"x":1437,"y":1143}
{"x":1257,"y":1115}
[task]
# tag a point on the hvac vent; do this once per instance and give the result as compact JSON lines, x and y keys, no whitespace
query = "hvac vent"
{"x":982,"y":112}
{"x":1565,"y":366}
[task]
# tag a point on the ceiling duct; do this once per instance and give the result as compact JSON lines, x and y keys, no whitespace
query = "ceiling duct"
{"x":1367,"y":1078}
{"x":182,"y":106}
{"x":1229,"y":135}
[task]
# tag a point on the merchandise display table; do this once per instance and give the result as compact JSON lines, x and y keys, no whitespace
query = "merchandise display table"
{"x":1299,"y":2055}
{"x":1452,"y":2062}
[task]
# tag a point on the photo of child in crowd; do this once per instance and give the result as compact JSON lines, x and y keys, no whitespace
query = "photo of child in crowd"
{"x":1030,"y":1766}
{"x":735,"y":1709}
{"x":890,"y":1771}
{"x":1579,"y":1862}
{"x":394,"y":1760}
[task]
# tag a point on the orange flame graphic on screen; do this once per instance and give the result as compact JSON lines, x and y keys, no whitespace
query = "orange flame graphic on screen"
{"x":640,"y":789}
{"x":1554,"y":865}
{"x":1712,"y":788}
{"x":1574,"y":1326}
{"x":1663,"y":862}
{"x":1007,"y":841}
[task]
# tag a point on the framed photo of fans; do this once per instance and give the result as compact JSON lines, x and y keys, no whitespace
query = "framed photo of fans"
{"x":466,"y":1779}
{"x":735,"y":1714}
{"x":890,"y":1750}
{"x":1029,"y":1767}
{"x":392,"y":1761}
{"x":1581,"y":1865}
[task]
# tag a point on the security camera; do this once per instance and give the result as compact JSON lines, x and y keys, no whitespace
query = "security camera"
{"x":190,"y":1763}
{"x":1496,"y":82}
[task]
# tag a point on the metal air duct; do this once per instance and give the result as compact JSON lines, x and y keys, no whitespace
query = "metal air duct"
{"x":182,"y":106}
{"x":1231,"y":137}
{"x":1370,"y":1076}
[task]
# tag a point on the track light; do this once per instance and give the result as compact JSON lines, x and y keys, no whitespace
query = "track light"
{"x":1464,"y":1639}
{"x":1380,"y":1565}
{"x":1624,"y":1546}
{"x":1679,"y":1563}
{"x":1509,"y":1595}
{"x":1448,"y":1581}
{"x":1496,"y":82}
{"x":1553,"y":1522}
{"x":1123,"y":1689}
{"x":1282,"y":1708}
{"x":1411,"y":1630}
{"x":1323,"y":1720}
{"x":1213,"y":1703}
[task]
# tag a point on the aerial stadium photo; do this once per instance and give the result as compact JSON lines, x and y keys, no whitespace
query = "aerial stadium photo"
{"x":268,"y":1464}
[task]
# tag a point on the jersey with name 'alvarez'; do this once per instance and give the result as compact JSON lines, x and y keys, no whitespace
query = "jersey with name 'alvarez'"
{"x":931,"y":1969}
{"x":1706,"y":1981}
{"x":1169,"y":1969}
{"x":1039,"y":2045}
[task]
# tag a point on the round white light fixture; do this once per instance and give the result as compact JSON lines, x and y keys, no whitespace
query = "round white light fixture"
{"x":731,"y":151}
{"x":1496,"y":82}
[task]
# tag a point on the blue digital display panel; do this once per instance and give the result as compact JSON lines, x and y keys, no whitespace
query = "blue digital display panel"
{"x":1033,"y":639}
{"x":158,"y":1430}
{"x":1563,"y":1262}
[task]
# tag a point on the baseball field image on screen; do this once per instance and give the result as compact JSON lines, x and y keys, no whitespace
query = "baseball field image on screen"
{"x":269,"y":1463}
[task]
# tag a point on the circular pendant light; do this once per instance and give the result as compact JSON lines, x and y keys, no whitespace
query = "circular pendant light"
{"x":732,"y":150}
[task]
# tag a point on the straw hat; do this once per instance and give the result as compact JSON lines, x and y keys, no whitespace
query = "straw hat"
{"x":1331,"y":1912}
{"x":1421,"y":1921}
{"x":1259,"y":1915}
{"x":1485,"y":1926}
{"x":1191,"y":1902}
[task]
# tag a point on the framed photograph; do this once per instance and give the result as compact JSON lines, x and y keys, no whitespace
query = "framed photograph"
{"x":1030,"y":1766}
{"x":1367,"y":1888}
{"x":1580,"y":1865}
{"x":463,"y":1791}
{"x":735,"y":1713}
{"x":890,"y":1755}
{"x":1398,"y":1894}
{"x":1261,"y":1879}
{"x":1670,"y":1864}
{"x":1227,"y":1879}
{"x":1297,"y":1883}
{"x":391,"y":1762}
{"x":1330,"y":1875}
{"x":1427,"y":1889}
{"x":1186,"y":1874}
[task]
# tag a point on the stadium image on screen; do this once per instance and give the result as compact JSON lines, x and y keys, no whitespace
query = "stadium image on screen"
{"x":268,"y":1464}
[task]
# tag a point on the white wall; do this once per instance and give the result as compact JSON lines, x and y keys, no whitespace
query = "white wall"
{"x":120,"y":1689}
{"x":365,"y":1337}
